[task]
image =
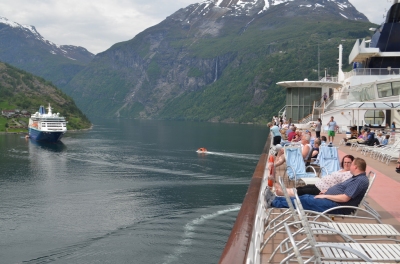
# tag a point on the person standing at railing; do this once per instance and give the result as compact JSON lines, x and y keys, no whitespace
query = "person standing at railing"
{"x":325,"y":97}
{"x":393,"y":126}
{"x":331,"y":129}
{"x":275,"y":133}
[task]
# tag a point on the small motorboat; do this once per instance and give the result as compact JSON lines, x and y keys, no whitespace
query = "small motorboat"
{"x":202,"y":150}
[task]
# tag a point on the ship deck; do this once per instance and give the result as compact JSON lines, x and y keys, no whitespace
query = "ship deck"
{"x":382,"y":197}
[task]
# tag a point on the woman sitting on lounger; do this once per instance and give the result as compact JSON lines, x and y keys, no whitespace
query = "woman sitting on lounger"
{"x":324,"y":183}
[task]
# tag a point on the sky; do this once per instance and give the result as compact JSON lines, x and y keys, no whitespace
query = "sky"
{"x":98,"y":24}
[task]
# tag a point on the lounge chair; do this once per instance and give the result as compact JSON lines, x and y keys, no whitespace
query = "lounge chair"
{"x":339,"y":252}
{"x":328,"y":161}
{"x":295,"y":166}
{"x":346,"y":230}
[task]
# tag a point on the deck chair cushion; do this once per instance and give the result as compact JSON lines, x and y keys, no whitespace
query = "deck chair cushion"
{"x":294,"y":159}
{"x":328,"y":158}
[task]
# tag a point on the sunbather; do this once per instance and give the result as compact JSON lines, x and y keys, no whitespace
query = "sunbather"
{"x":353,"y":134}
{"x":305,"y":150}
{"x":324,"y":183}
{"x":347,"y":193}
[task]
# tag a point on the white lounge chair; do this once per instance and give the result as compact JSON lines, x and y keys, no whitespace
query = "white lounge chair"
{"x":290,"y":217}
{"x":340,"y":252}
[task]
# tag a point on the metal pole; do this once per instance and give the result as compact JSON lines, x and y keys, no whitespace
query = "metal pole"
{"x":319,"y":76}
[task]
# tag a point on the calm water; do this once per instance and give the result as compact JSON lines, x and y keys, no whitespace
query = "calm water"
{"x":125,"y":192}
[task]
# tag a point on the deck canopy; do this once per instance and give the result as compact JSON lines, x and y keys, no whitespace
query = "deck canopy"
{"x":309,"y":84}
{"x":370,"y":106}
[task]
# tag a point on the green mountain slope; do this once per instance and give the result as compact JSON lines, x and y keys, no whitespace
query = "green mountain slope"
{"x":23,"y":47}
{"x":247,"y":90}
{"x":24,"y":91}
{"x":216,"y":65}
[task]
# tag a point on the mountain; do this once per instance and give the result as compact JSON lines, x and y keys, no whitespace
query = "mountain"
{"x":217,"y":60}
{"x":24,"y":47}
{"x":24,"y":91}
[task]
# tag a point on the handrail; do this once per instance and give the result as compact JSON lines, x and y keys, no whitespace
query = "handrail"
{"x":372,"y":71}
{"x":305,"y":119}
{"x":237,"y":246}
{"x":280,"y":113}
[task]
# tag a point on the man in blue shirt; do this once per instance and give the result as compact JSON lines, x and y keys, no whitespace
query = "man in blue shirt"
{"x":349,"y":192}
{"x":275,"y":133}
{"x":331,"y":129}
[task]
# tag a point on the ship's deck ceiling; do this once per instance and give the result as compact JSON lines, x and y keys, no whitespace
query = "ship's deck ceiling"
{"x":363,"y":56}
{"x":370,"y":106}
{"x":309,"y":84}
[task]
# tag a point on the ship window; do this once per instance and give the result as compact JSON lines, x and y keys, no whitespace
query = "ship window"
{"x":289,"y":96}
{"x":374,"y":117}
{"x":384,"y":90}
{"x":289,"y":112}
{"x":396,"y":88}
{"x":295,"y":96}
{"x":301,"y":112}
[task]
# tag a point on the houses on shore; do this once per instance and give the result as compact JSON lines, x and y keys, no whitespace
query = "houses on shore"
{"x":15,"y":113}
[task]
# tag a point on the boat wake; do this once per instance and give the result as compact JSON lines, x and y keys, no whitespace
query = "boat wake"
{"x":234,"y":155}
{"x":189,"y":233}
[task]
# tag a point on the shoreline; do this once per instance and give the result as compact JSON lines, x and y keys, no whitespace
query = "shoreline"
{"x":75,"y":130}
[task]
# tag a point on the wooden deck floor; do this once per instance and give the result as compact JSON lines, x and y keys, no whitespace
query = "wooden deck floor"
{"x":384,"y":197}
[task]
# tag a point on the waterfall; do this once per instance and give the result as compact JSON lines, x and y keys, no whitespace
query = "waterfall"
{"x":216,"y":70}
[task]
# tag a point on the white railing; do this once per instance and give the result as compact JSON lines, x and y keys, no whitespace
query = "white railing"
{"x":329,"y":79}
{"x":282,"y":112}
{"x":377,"y":71}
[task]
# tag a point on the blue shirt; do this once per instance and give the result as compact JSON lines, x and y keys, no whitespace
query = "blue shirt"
{"x":332,"y":126}
{"x":355,"y":188}
{"x":275,"y":131}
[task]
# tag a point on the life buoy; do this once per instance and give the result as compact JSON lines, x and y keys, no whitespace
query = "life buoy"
{"x":271,"y":171}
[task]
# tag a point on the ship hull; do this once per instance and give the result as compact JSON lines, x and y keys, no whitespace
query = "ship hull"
{"x":45,"y":135}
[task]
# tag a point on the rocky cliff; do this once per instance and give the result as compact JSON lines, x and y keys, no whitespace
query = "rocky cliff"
{"x":216,"y":60}
{"x":24,"y":47}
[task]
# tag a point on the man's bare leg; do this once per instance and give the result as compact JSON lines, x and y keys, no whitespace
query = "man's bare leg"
{"x":279,"y":192}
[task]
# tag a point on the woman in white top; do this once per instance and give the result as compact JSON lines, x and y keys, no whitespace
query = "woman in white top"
{"x":324,"y":183}
{"x":317,"y":126}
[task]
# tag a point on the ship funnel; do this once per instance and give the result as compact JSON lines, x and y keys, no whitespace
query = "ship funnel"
{"x":41,"y":110}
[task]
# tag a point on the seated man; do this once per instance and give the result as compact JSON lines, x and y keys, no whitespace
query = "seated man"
{"x":323,"y":183}
{"x":349,"y":192}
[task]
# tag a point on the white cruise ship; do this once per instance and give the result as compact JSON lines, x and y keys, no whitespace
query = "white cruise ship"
{"x":47,"y":126}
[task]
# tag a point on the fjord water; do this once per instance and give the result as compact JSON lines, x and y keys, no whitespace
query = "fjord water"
{"x":127,"y":191}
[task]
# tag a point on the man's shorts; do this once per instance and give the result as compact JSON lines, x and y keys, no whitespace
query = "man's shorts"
{"x":331,"y":133}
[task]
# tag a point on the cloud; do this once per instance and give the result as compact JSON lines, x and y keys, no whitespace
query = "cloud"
{"x":98,"y":24}
{"x":374,"y":10}
{"x":93,"y":24}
